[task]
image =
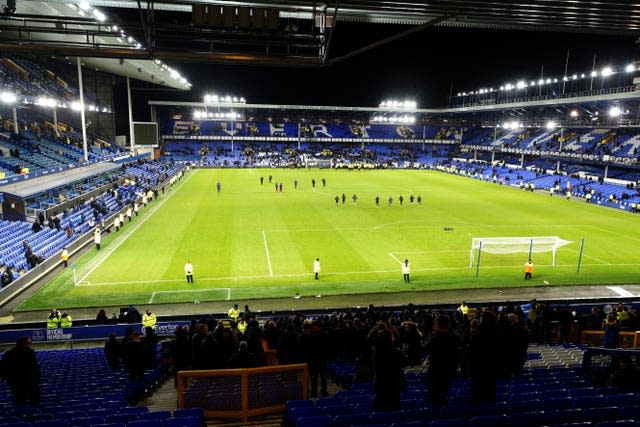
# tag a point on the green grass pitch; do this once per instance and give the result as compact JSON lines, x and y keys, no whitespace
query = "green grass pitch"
{"x":251,"y":242}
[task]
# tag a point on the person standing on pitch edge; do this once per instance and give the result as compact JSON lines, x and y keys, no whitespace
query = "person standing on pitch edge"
{"x":218,"y":186}
{"x":528,"y":270}
{"x":188,"y":271}
{"x":405,"y":271}
{"x":316,"y":267}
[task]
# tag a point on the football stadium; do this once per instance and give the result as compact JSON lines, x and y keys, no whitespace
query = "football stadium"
{"x":308,"y":214}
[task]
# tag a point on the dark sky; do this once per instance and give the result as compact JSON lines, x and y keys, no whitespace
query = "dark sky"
{"x":424,"y":66}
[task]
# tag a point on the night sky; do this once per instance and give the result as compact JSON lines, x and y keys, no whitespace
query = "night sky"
{"x":426,"y":66}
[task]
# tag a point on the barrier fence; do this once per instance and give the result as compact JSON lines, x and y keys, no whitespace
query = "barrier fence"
{"x":242,"y":393}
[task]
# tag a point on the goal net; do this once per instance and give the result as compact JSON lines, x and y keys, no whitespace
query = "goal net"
{"x":512,"y":245}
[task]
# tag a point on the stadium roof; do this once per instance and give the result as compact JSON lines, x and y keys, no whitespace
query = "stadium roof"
{"x":52,"y":28}
{"x":297,"y":32}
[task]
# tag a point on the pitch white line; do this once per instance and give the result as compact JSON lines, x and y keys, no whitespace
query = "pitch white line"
{"x":131,"y":230}
{"x":589,"y":256}
{"x":341,"y":273}
{"x":177,"y":291}
{"x":621,"y":291}
{"x":396,"y":259}
{"x":613,"y":232}
{"x":432,"y":252}
{"x":266,"y":249}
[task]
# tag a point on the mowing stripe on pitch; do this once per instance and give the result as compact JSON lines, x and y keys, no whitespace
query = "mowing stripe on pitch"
{"x":179,"y":291}
{"x":131,"y":230}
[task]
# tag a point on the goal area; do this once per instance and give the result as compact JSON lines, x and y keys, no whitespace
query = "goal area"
{"x":512,"y":245}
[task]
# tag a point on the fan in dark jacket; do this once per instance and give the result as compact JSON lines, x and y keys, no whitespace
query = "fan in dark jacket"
{"x":20,"y":369}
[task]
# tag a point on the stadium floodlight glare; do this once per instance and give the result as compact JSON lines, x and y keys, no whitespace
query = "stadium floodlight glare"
{"x":551,"y":125}
{"x":84,"y":5}
{"x":541,"y":82}
{"x":574,"y":77}
{"x":574,"y":113}
{"x":582,"y":76}
{"x":607,"y":71}
{"x":565,"y":79}
{"x":630,"y":68}
{"x":76,"y":106}
{"x":594,"y":73}
{"x":532,"y":83}
{"x":44,"y":101}
{"x":8,"y":97}
{"x":521,"y":84}
{"x":555,"y":80}
{"x":99,"y":15}
{"x":615,"y":111}
{"x":548,"y":80}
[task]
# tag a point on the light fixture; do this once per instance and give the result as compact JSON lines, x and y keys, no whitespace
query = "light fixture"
{"x":607,"y":71}
{"x":8,"y":97}
{"x":551,"y":125}
{"x":615,"y":111}
{"x":630,"y":68}
{"x":574,"y":113}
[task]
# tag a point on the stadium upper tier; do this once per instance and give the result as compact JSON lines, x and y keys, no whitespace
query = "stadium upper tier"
{"x":210,"y":129}
{"x":31,"y":81}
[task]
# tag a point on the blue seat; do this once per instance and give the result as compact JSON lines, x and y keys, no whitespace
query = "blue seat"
{"x":364,"y":407}
{"x":294,"y":414}
{"x":156,"y":415}
{"x":290,"y":404}
{"x":86,"y":421}
{"x":527,"y":419}
{"x":411,"y":424}
{"x":181,"y":422}
{"x":109,"y":425}
{"x":562,"y":416}
{"x":489,"y":421}
{"x":134,"y":410}
{"x":146,"y":423}
{"x":189,"y":412}
{"x":556,"y":403}
{"x":619,"y":423}
{"x":451,"y":422}
{"x":586,"y":402}
{"x":51,"y":423}
{"x":386,"y":417}
{"x":347,"y":420}
{"x":620,"y":399}
{"x":606,"y":413}
{"x":629,"y":413}
{"x":525,"y":405}
{"x":328,"y":401}
{"x":315,"y":421}
{"x":333,"y":410}
{"x":354,"y":400}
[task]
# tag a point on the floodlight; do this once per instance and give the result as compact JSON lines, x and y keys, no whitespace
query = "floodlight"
{"x":551,"y":125}
{"x":45,"y":102}
{"x":615,"y":111}
{"x":459,"y":94}
{"x":228,"y":99}
{"x":130,"y":39}
{"x":104,"y":109}
{"x":92,"y":107}
{"x":594,"y":73}
{"x":521,"y":84}
{"x":207,"y":98}
{"x":8,"y":97}
{"x":548,"y":80}
{"x":574,"y":113}
{"x":506,"y":125}
{"x":76,"y":106}
{"x":574,"y":77}
{"x":555,"y":80}
{"x":412,"y":119}
{"x":84,"y":5}
{"x":72,"y":6}
{"x":138,"y":45}
{"x":99,"y":15}
{"x":630,"y":68}
{"x":541,"y":82}
{"x":532,"y":83}
{"x":214,"y":98}
{"x":501,"y":87}
{"x":607,"y":71}
{"x":582,"y":76}
{"x":235,"y":99}
{"x":114,"y":28}
{"x":565,"y":79}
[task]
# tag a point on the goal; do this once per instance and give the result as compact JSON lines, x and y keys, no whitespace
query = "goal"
{"x":512,"y":245}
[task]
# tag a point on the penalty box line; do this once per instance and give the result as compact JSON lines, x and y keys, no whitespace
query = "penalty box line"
{"x":130,"y":231}
{"x":179,"y":291}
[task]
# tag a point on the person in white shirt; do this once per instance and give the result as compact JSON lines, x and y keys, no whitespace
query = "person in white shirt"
{"x":188,"y":271}
{"x":116,"y":223}
{"x":316,"y":267}
{"x":405,"y":271}
{"x":97,"y":237}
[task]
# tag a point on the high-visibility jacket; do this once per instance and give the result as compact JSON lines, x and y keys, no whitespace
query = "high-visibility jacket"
{"x":149,"y":320}
{"x":64,"y":256}
{"x":234,"y":313}
{"x":464,"y":309}
{"x":242,"y":326}
{"x":53,"y":321}
{"x":65,"y":321}
{"x":528,"y":267}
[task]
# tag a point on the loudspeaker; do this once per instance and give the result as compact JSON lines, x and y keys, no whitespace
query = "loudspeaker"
{"x":273,"y":19}
{"x":214,"y":16}
{"x":244,"y":19}
{"x":198,"y":14}
{"x":228,"y":16}
{"x":257,"y":19}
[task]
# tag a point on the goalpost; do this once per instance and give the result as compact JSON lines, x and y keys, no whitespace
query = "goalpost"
{"x":511,"y":245}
